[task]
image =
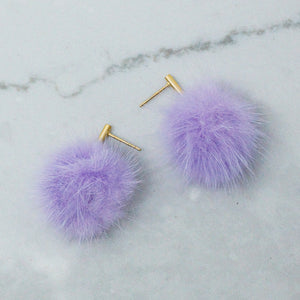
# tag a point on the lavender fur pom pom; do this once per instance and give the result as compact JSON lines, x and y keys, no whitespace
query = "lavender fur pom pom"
{"x":86,"y":188}
{"x":213,"y":136}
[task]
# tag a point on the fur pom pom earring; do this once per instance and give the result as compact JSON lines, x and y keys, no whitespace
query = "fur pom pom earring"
{"x":87,"y":186}
{"x":212,"y":133}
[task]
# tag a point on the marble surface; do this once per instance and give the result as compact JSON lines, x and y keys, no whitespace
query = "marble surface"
{"x":68,"y":67}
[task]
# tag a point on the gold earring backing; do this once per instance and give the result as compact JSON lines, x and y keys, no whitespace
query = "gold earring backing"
{"x":170,"y":82}
{"x":106,"y":132}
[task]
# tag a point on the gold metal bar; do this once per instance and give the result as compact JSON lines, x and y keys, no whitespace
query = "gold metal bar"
{"x":174,"y":83}
{"x":122,"y":141}
{"x":156,"y":93}
{"x":104,"y":133}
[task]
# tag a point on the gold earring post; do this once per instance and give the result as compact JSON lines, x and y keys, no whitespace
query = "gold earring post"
{"x":106,"y":132}
{"x":170,"y":82}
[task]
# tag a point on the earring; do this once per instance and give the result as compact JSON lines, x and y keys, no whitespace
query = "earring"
{"x":87,"y":186}
{"x":212,"y":133}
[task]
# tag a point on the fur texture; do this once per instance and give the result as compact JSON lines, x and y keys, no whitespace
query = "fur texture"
{"x":213,"y":135}
{"x":86,"y":188}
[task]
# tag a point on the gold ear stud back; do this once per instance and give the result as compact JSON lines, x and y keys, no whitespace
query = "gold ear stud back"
{"x":170,"y":82}
{"x":106,"y":132}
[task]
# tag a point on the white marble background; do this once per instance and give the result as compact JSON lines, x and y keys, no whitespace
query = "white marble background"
{"x":68,"y":67}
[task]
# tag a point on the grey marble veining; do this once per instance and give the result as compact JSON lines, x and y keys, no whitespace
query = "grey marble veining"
{"x":130,"y":63}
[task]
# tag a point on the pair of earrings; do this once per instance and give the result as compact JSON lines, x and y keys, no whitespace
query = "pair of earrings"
{"x":213,"y":136}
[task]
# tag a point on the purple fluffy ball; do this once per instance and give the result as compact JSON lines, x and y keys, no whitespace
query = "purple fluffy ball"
{"x":86,"y":188}
{"x":213,"y":135}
